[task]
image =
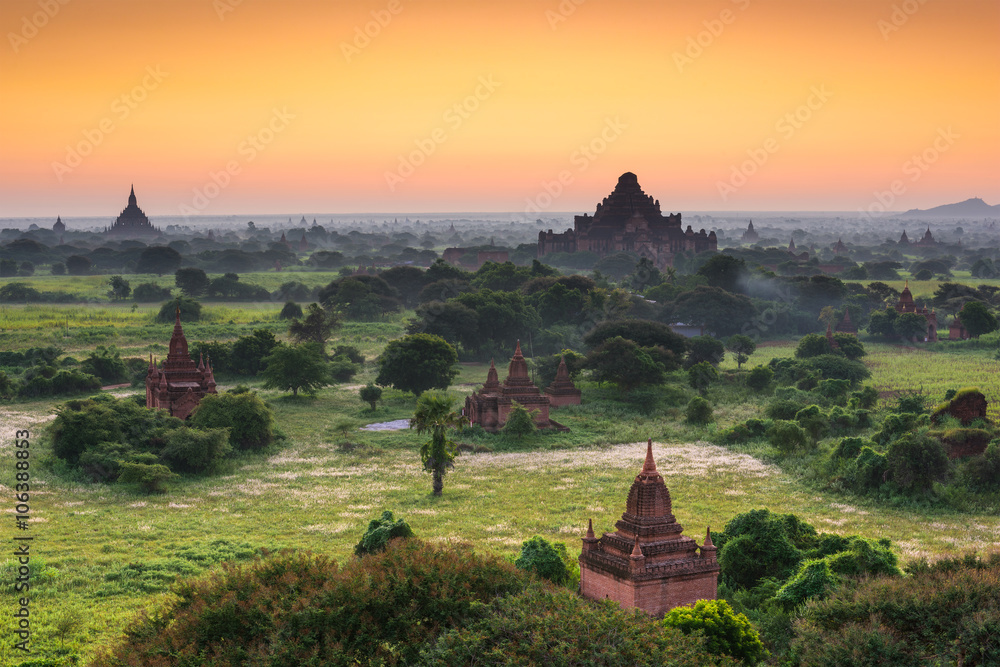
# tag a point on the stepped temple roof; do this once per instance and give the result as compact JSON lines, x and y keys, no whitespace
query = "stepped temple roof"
{"x":132,"y":221}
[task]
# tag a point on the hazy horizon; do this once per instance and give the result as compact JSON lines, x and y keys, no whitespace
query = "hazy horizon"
{"x":393,"y":105}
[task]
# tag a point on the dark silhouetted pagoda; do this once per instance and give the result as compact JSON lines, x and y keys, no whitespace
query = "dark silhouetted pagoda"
{"x":628,"y":220}
{"x":646,"y":563}
{"x":178,"y":385}
{"x":132,"y":221}
{"x":906,"y":304}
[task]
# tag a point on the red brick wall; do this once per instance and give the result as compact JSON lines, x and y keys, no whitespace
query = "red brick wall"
{"x":655,"y":597}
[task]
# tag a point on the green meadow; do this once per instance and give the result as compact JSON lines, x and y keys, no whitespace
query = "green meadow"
{"x":103,"y":553}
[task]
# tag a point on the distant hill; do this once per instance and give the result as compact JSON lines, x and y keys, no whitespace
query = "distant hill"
{"x":970,"y":208}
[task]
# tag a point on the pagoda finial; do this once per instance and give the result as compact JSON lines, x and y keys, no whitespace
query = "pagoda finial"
{"x":178,"y":320}
{"x":650,"y":465}
{"x":590,"y":529}
{"x":517,"y":350}
{"x":708,"y":538}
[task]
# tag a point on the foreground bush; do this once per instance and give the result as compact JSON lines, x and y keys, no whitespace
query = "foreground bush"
{"x":725,"y":631}
{"x":380,"y":531}
{"x":945,"y":614}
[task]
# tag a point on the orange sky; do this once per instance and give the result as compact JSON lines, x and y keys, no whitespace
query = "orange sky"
{"x":165,"y":93}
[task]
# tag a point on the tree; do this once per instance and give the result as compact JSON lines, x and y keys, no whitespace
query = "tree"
{"x":520,"y":422}
{"x":644,"y":333}
{"x":371,"y":395}
{"x":158,"y":260}
{"x":120,"y":289}
{"x":849,"y":346}
{"x":741,"y":347}
{"x":725,"y":272}
{"x":106,"y":363}
{"x":379,"y":532}
{"x":290,"y":311}
{"x":408,"y":281}
{"x":699,"y":411}
{"x":701,"y":376}
{"x":725,"y":631}
{"x":416,"y":363}
{"x":916,"y":461}
{"x":812,"y":345}
{"x":296,"y":367}
{"x":192,"y":281}
{"x":456,"y":323}
{"x":719,"y":311}
{"x":435,"y":414}
{"x":704,"y":348}
{"x":190,"y":310}
{"x":624,"y":363}
{"x":317,"y":326}
{"x":910,"y":326}
{"x":146,"y":292}
{"x":760,"y":378}
{"x":246,"y":356}
{"x":58,"y":269}
{"x":978,"y":319}
{"x":539,"y":556}
{"x":77,"y":265}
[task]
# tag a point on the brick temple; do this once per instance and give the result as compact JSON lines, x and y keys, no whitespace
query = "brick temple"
{"x":907,"y":305}
{"x":646,"y":563}
{"x":179,"y":384}
{"x":490,"y":406}
{"x":562,"y":391}
{"x":628,"y":220}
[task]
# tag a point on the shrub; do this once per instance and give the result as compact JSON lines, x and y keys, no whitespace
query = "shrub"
{"x":813,"y":580}
{"x":147,"y":292}
{"x":539,"y":556}
{"x":813,"y":421}
{"x":352,"y":353}
{"x":379,"y":532}
{"x":196,"y":450}
{"x":290,"y":311}
{"x":520,"y":422}
{"x":701,"y":375}
{"x":834,"y":367}
{"x":982,"y":473}
{"x":848,"y":448}
{"x":699,"y":411}
{"x":787,"y":436}
{"x":862,"y":556}
{"x":867,"y":471}
{"x":152,"y":478}
{"x":249,"y":420}
{"x":864,"y":398}
{"x":916,"y":461}
{"x":759,"y":544}
{"x":783,"y":409}
{"x":106,"y":363}
{"x":342,"y":369}
{"x":298,"y":608}
{"x":725,"y":631}
{"x":760,"y":378}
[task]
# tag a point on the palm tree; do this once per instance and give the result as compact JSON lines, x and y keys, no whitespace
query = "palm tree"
{"x":435,"y":414}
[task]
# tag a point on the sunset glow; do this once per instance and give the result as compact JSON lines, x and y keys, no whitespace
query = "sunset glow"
{"x":443,"y":105}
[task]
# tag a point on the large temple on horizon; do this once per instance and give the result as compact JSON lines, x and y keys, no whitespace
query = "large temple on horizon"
{"x":178,"y":385}
{"x":132,"y":221}
{"x":628,"y":220}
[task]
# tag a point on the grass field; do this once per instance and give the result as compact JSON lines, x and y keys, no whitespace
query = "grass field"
{"x":103,"y":553}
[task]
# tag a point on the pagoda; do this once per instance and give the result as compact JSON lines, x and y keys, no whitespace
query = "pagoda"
{"x":562,"y":391}
{"x":906,"y":304}
{"x":60,"y":226}
{"x":839,"y":248}
{"x":178,"y":385}
{"x":490,"y":406}
{"x":647,"y":563}
{"x":132,"y":221}
{"x":750,"y":235}
{"x":628,"y":220}
{"x":846,"y":326}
